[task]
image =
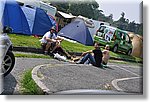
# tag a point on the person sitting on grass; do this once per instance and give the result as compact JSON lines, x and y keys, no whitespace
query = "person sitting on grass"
{"x":106,"y":55}
{"x":93,"y":56}
{"x":51,"y":41}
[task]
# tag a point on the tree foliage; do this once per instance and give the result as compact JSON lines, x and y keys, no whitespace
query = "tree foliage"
{"x":125,"y":24}
{"x":90,"y":10}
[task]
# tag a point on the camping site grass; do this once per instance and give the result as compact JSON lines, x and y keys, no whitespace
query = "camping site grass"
{"x":31,"y":55}
{"x":24,"y":40}
{"x":28,"y":86}
{"x":31,"y":41}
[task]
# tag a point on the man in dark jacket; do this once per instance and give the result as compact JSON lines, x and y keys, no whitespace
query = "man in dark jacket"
{"x":93,"y":56}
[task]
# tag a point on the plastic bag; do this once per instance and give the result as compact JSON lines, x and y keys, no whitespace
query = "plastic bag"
{"x":59,"y":57}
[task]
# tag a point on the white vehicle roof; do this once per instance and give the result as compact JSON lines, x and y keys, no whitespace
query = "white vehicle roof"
{"x":110,"y":27}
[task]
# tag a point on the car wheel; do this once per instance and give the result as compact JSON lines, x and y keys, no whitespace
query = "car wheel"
{"x":115,"y":48}
{"x":129,"y":52}
{"x":8,"y":63}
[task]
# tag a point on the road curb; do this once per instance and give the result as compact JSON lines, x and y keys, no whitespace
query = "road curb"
{"x":28,"y":49}
{"x":40,"y":51}
{"x":37,"y":80}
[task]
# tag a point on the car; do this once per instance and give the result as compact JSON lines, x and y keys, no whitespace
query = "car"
{"x":7,"y":59}
{"x":117,"y":39}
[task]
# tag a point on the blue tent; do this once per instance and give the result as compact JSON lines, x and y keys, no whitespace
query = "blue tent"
{"x":39,"y":22}
{"x":25,"y":20}
{"x":14,"y":17}
{"x":77,"y":31}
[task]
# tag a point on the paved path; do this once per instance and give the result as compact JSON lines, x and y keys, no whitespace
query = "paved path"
{"x":60,"y":76}
{"x":12,"y":81}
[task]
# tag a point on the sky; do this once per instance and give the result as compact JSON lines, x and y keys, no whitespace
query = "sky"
{"x":131,"y":8}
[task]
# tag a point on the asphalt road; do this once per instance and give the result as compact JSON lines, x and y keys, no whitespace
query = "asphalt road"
{"x":12,"y":81}
{"x":117,"y":71}
{"x":60,"y":77}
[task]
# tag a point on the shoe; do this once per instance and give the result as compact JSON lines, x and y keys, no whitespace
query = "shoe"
{"x":68,"y":57}
{"x":45,"y":52}
{"x":78,"y":62}
{"x":51,"y":54}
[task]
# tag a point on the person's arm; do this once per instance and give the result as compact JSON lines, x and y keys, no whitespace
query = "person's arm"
{"x":59,"y":38}
{"x":50,"y":40}
{"x":104,"y":52}
{"x":84,"y":53}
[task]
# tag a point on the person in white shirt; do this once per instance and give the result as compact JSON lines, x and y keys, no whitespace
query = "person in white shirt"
{"x":51,"y":41}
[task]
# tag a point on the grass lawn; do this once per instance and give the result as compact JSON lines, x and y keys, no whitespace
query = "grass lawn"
{"x":31,"y":55}
{"x":28,"y":86}
{"x":25,"y":41}
{"x":31,"y":41}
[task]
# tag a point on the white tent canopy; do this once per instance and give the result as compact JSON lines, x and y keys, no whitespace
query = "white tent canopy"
{"x":65,"y":15}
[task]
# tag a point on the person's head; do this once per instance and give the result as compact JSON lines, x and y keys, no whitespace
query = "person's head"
{"x":53,"y":30}
{"x":97,"y":46}
{"x":107,"y":47}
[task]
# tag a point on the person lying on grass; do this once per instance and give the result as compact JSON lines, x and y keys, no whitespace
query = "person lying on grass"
{"x":93,"y":56}
{"x":51,"y":41}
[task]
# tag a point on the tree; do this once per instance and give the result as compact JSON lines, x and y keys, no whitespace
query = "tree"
{"x":111,"y":16}
{"x":90,"y":10}
{"x":127,"y":20}
{"x":121,"y":23}
{"x":122,"y":14}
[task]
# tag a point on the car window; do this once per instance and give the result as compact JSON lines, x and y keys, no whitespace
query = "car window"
{"x":101,"y":29}
{"x":127,"y":38}
{"x":122,"y":35}
{"x":119,"y":34}
{"x":109,"y":34}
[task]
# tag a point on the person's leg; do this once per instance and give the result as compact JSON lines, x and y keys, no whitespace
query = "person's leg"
{"x":87,"y":62}
{"x":104,"y":63}
{"x":43,"y":45}
{"x":47,"y":47}
{"x":55,"y":46}
{"x":85,"y":58}
{"x":92,"y":60}
{"x":61,"y":50}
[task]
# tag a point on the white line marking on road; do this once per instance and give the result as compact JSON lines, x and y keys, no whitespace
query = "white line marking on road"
{"x":115,"y":81}
{"x":127,"y":70}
